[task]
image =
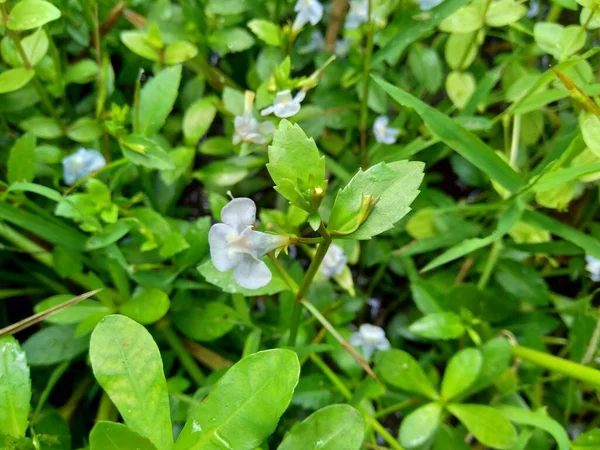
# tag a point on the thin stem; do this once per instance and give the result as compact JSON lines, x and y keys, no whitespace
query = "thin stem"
{"x":286,"y":276}
{"x":365,"y":97}
{"x":397,"y":407}
{"x":556,"y":364}
{"x":514,"y":146}
{"x":106,"y":409}
{"x":52,"y":380}
{"x":303,"y":240}
{"x":490,"y":264}
{"x":184,"y":356}
{"x":308,"y":278}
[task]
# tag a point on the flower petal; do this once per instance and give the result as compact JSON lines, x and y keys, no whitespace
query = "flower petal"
{"x":252,"y":273}
{"x":262,"y":243}
{"x":356,"y":339}
{"x":286,"y":110}
{"x":239,"y":213}
{"x":218,"y":240}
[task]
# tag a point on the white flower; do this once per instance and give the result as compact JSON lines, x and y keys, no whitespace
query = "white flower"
{"x":333,"y":262}
{"x":235,"y":245}
{"x":316,"y":44}
{"x":80,"y":164}
{"x":593,"y":267}
{"x":370,"y":338}
{"x":428,"y":4}
{"x":534,"y":9}
{"x":307,"y":11}
{"x":383,"y":133}
{"x":342,"y":48}
{"x":285,"y":105}
{"x":358,"y":14}
{"x":247,"y":128}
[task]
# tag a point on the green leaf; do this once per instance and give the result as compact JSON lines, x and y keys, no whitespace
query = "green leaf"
{"x":441,"y":325}
{"x":147,"y":307}
{"x":559,"y":41}
{"x":15,"y":388}
{"x":225,"y":281}
{"x":400,"y":369}
{"x":82,"y":72}
{"x":420,"y":425}
{"x":44,"y":191}
{"x":487,"y":425}
{"x":586,"y":441}
{"x":73,"y":314}
{"x":230,"y":40}
{"x":116,"y":436}
{"x":568,"y":233}
{"x":466,"y":19}
{"x":590,"y":129}
{"x":297,"y":167}
{"x":539,"y":419}
{"x":204,"y":322}
{"x":127,"y":364}
{"x":198,"y":119}
{"x":145,"y":152}
{"x":244,"y":407}
{"x":157,"y":99}
{"x":460,"y":87}
{"x":35,"y":47}
{"x":84,"y":129}
{"x":412,"y":28}
{"x":14,"y":79}
{"x":461,"y":372}
{"x":522,"y":281}
{"x":266,"y":31}
{"x":136,"y":42}
{"x":496,"y":359}
{"x":110,"y":234}
{"x":30,"y":14}
{"x":504,"y":12}
{"x":21,"y":161}
{"x":457,"y":138}
{"x":375,"y":199}
{"x":334,"y":427}
{"x":42,"y":127}
{"x":53,"y":345}
{"x":182,"y":158}
{"x":179,"y":52}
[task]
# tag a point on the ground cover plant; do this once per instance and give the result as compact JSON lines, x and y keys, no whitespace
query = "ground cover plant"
{"x":278,"y":224}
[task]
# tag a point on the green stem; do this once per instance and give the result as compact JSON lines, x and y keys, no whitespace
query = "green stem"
{"x":556,"y":364}
{"x":490,"y":264}
{"x":397,"y":407}
{"x":364,"y":111}
{"x":188,"y":363}
{"x":303,"y":240}
{"x":308,"y":278}
{"x":284,"y":274}
{"x":106,"y":409}
{"x":514,"y":146}
{"x":52,"y":380}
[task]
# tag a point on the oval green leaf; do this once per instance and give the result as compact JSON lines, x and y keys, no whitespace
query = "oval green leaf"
{"x":30,"y":14}
{"x":420,"y":425}
{"x":127,"y":364}
{"x":246,"y":404}
{"x":485,"y":423}
{"x":332,"y":428}
{"x":147,"y":307}
{"x":461,"y":372}
{"x":442,"y":325}
{"x":116,"y":436}
{"x":402,"y":371}
{"x":15,"y":388}
{"x":14,"y":79}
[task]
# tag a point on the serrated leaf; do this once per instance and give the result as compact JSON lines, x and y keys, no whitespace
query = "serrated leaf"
{"x":296,"y":166}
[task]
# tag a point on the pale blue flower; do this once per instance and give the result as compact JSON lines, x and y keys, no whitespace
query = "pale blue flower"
{"x":285,"y":105}
{"x":593,"y":267}
{"x":307,"y":11}
{"x":369,"y":338}
{"x":316,"y":43}
{"x":428,"y":4}
{"x":383,"y":133}
{"x":358,"y":14}
{"x":334,"y":262}
{"x":235,"y":245}
{"x":80,"y":164}
{"x":247,"y":128}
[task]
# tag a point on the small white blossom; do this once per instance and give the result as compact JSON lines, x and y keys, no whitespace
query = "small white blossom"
{"x":428,"y":4}
{"x":342,"y":48}
{"x":358,"y":14}
{"x":534,"y":9}
{"x":316,"y":43}
{"x":285,"y":105}
{"x":307,"y":11}
{"x":80,"y":164}
{"x":593,"y":267}
{"x":235,"y":245}
{"x":383,"y":133}
{"x":247,"y":128}
{"x":333,"y":262}
{"x":369,"y":338}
